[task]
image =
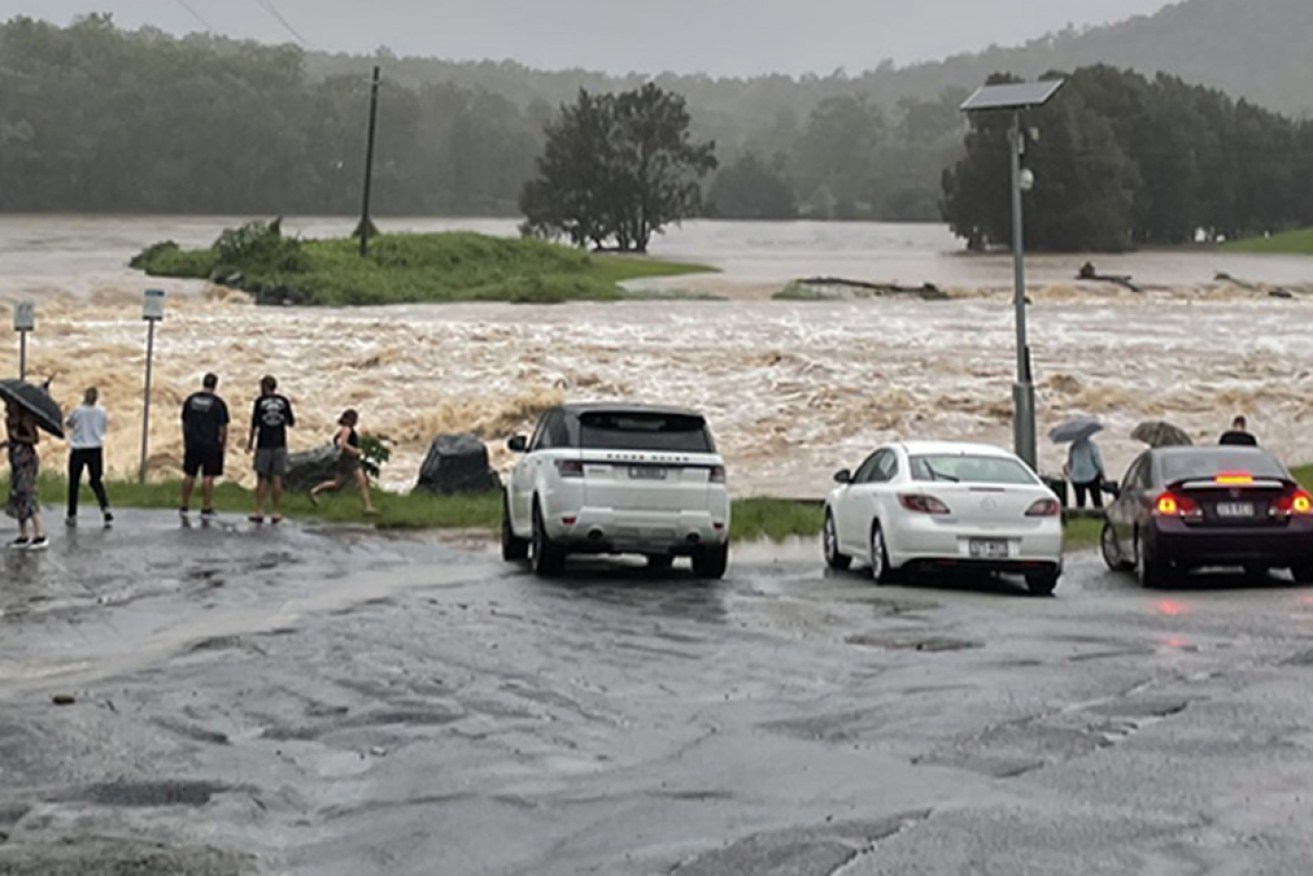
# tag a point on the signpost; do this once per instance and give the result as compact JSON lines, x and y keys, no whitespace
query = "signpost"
{"x":24,"y":322}
{"x":152,"y":311}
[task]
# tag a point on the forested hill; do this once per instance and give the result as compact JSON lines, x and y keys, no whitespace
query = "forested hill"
{"x":1255,"y":49}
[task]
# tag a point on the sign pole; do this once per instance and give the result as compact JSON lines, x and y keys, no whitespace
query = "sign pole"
{"x":152,"y":312}
{"x":24,"y":322}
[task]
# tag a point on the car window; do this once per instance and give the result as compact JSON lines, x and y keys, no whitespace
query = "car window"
{"x":866,"y":469}
{"x":1134,"y":477}
{"x":645,"y":430}
{"x":969,"y":469}
{"x":1206,"y":462}
{"x":886,"y":466}
{"x":558,"y":433}
{"x":535,"y":442}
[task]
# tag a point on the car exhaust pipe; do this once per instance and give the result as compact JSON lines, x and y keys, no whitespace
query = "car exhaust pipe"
{"x":693,"y":538}
{"x":595,"y":534}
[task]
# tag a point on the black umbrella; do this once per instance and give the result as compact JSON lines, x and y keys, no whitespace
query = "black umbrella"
{"x":37,"y":402}
{"x":1157,"y":433}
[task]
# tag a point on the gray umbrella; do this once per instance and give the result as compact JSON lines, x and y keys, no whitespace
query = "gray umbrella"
{"x":1157,"y":433}
{"x":37,"y":402}
{"x":1075,"y":430}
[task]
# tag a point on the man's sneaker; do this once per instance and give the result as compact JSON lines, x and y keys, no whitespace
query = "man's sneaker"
{"x":70,"y":521}
{"x":183,"y":511}
{"x":38,"y":544}
{"x":19,"y":544}
{"x":109,"y":518}
{"x":208,"y":514}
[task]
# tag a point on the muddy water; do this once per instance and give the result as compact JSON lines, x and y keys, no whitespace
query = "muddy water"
{"x":794,"y":390}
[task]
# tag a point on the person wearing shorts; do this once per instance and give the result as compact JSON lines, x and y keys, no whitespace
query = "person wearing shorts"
{"x":270,"y":418}
{"x":205,"y":440}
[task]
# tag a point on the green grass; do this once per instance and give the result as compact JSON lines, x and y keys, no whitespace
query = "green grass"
{"x":1081,"y":534}
{"x":775,"y":519}
{"x":1299,"y":242}
{"x":408,"y":268}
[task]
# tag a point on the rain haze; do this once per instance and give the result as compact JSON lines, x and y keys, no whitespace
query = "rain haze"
{"x":719,"y":37}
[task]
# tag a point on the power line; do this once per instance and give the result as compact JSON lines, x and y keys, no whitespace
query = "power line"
{"x":196,"y":15}
{"x":268,"y":6}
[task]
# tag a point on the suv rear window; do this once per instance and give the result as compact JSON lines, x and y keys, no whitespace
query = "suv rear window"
{"x":1205,"y":463}
{"x":644,"y":431}
{"x":967,"y":469}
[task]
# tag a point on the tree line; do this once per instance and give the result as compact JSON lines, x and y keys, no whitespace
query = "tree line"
{"x":95,"y":118}
{"x":1122,"y":160}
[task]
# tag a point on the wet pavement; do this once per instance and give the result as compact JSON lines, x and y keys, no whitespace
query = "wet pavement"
{"x":329,"y":701}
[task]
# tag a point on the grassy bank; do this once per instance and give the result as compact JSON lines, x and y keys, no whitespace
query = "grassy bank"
{"x":402,"y":268}
{"x":1298,"y":242}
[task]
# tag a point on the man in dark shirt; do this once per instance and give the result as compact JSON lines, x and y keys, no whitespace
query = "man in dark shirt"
{"x":1238,"y":434}
{"x":270,"y":418}
{"x":205,"y":439}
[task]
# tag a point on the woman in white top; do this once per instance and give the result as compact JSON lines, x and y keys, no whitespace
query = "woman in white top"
{"x":87,"y":450}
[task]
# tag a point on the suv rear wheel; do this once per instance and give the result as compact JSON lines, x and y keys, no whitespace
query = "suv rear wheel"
{"x":546,"y":557}
{"x":512,"y":546}
{"x":711,"y":562}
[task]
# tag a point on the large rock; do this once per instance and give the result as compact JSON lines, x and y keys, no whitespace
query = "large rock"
{"x":457,"y":464}
{"x":305,"y":470}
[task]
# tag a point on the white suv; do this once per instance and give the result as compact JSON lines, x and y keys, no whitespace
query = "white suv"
{"x":611,"y":478}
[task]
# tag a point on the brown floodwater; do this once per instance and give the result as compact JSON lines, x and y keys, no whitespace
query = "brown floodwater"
{"x":794,"y":390}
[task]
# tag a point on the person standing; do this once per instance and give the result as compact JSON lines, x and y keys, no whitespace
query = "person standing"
{"x":349,"y":456}
{"x":270,"y":418}
{"x":24,"y":504}
{"x":205,"y":441}
{"x":1084,"y":469}
{"x":1238,"y":434}
{"x":88,"y":422}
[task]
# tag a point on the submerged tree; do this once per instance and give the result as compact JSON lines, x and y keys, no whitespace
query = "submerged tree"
{"x":617,"y":168}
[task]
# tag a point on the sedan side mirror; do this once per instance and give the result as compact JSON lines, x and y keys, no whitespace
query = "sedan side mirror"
{"x":843,"y":476}
{"x":518,"y":444}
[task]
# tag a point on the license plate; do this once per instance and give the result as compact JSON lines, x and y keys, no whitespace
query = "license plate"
{"x":1235,"y":509}
{"x":647,"y":473}
{"x":988,"y":548}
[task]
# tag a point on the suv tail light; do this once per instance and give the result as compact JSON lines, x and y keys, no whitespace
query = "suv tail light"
{"x":570,"y":468}
{"x":922,"y":504}
{"x":717,"y":475}
{"x":1044,"y":508}
{"x":1171,"y":504}
{"x":1295,"y":503}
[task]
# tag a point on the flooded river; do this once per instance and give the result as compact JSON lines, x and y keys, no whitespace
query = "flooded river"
{"x":794,"y":389}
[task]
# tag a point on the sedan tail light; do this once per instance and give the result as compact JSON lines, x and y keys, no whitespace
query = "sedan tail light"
{"x":717,"y":474}
{"x":1171,"y":504}
{"x":1044,"y":508}
{"x":1295,"y":503}
{"x":922,"y":504}
{"x":570,"y":468}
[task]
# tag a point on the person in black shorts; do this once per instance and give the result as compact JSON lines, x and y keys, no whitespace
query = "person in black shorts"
{"x":268,"y":440}
{"x":205,"y":440}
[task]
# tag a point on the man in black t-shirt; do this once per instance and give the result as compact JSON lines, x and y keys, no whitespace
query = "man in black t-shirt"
{"x":205,"y":439}
{"x":1238,"y":434}
{"x":270,"y":418}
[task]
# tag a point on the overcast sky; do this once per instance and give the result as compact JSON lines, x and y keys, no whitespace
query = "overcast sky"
{"x":721,"y":37}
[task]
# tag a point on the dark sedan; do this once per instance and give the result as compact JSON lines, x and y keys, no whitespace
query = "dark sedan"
{"x":1183,"y":508}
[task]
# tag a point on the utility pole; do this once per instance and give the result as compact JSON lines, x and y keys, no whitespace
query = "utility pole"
{"x":152,"y":311}
{"x":369,"y":164}
{"x":1023,"y":390}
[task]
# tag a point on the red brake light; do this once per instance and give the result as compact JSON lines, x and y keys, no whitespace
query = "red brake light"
{"x":1044,"y":508}
{"x":922,"y":504}
{"x":1171,"y":505}
{"x":1233,"y":478}
{"x":1297,"y":502}
{"x":570,"y":468}
{"x":717,"y":474}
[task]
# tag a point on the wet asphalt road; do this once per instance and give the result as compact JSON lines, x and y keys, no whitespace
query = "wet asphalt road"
{"x":328,"y":701}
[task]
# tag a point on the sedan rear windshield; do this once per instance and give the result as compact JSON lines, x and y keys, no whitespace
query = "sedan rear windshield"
{"x":645,"y":431}
{"x":969,"y":469}
{"x":1208,"y":462}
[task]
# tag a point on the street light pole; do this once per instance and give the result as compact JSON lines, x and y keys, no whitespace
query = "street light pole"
{"x":369,"y":165}
{"x":24,"y":322}
{"x":1023,"y":390}
{"x":1015,"y":97}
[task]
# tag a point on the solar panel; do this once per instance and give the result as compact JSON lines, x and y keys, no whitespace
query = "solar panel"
{"x":1015,"y":95}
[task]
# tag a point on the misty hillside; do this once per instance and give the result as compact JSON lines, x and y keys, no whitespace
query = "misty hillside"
{"x":1255,"y":49}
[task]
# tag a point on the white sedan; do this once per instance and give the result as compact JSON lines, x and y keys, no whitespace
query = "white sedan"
{"x":923,"y":504}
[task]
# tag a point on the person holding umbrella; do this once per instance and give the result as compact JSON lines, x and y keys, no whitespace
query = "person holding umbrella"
{"x":1084,"y":466}
{"x":28,"y":408}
